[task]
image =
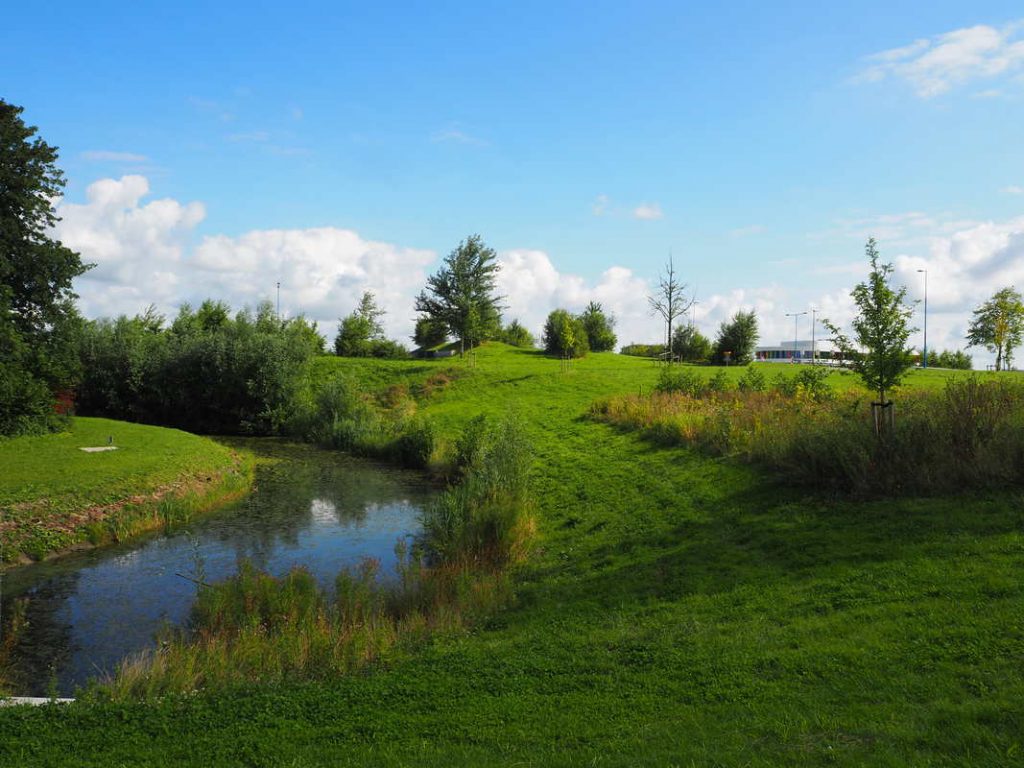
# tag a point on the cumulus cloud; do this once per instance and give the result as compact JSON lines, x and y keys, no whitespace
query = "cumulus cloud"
{"x":148,"y":251}
{"x":533,"y":287}
{"x":648,"y":212}
{"x":936,"y":65}
{"x":600,"y":205}
{"x":144,"y":253}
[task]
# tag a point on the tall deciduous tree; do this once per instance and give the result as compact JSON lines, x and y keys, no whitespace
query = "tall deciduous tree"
{"x":736,"y":339}
{"x":38,"y":319}
{"x":669,"y":300}
{"x":599,"y":326}
{"x":462,"y":293}
{"x":998,"y":325}
{"x":881,"y":329}
{"x":690,"y":345}
{"x":358,"y":331}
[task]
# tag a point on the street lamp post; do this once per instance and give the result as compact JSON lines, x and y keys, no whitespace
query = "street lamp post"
{"x":279,"y":300}
{"x":924,"y":361}
{"x":814,"y":356}
{"x":796,"y":319}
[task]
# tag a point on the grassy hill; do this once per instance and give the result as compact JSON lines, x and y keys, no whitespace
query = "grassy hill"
{"x":54,"y":496}
{"x":678,"y":610}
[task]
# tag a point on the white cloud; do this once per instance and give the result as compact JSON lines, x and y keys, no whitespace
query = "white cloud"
{"x":147,"y":251}
{"x":648,"y":212}
{"x":533,"y":287}
{"x":1013,"y":190}
{"x":142,"y":254}
{"x":934,"y":66}
{"x":108,"y":156}
{"x":600,"y":205}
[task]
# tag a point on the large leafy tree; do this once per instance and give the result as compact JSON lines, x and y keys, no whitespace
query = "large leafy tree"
{"x":879,"y":352}
{"x":998,"y":325}
{"x":600,"y":327}
{"x":736,"y":339}
{"x":38,"y":320}
{"x":690,"y":345}
{"x":358,"y":331}
{"x":461,"y":295}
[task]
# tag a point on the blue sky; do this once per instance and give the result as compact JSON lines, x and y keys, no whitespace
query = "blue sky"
{"x":758,"y":143}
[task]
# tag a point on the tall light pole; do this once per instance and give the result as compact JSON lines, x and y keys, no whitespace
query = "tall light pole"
{"x":278,"y":299}
{"x":693,"y":313}
{"x":796,"y":319}
{"x":814,"y":314}
{"x":924,"y":360}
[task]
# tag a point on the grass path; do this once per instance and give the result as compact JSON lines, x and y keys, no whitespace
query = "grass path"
{"x":678,"y":611}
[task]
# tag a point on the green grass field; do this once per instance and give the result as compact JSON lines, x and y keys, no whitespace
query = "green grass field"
{"x":51,"y":492}
{"x":678,"y":610}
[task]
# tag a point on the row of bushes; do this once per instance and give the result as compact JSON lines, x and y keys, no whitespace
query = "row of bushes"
{"x":255,"y":627}
{"x":970,"y":435}
{"x":206,"y":372}
{"x":809,"y":382}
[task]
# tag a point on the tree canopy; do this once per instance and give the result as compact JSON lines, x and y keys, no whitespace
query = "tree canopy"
{"x":599,"y":326}
{"x":38,"y":319}
{"x":565,"y":335}
{"x":998,"y":325}
{"x":736,"y":339}
{"x":690,"y":345}
{"x":361,"y":333}
{"x":881,"y":329}
{"x":461,"y":295}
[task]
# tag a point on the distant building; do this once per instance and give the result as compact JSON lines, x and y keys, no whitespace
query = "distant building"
{"x":798,"y":352}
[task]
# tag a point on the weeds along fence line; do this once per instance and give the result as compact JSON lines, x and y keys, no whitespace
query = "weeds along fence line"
{"x":255,"y":627}
{"x":970,"y":435}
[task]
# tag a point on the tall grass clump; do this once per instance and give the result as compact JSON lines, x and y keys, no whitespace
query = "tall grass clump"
{"x":339,"y":415}
{"x":255,"y":627}
{"x":14,"y":622}
{"x":485,"y":518}
{"x":970,"y":435}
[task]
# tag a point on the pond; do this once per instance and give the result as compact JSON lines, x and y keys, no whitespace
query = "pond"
{"x":319,"y":509}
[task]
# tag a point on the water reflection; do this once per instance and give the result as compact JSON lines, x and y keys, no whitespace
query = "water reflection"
{"x":314,"y":508}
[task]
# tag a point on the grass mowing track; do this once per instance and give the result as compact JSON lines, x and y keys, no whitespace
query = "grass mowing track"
{"x":678,"y":610}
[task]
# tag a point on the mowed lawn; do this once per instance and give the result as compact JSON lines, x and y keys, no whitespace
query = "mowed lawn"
{"x":678,"y":610}
{"x":46,"y":481}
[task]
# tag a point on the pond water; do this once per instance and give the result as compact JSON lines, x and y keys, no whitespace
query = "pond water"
{"x":319,"y":509}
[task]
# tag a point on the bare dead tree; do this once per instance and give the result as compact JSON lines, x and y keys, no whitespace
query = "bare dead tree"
{"x":670,"y":301}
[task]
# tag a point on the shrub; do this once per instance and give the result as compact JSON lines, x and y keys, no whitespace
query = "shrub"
{"x":971,"y":435}
{"x":643,"y":350}
{"x":484,"y":519}
{"x":416,"y":443}
{"x":565,"y":335}
{"x":516,"y":335}
{"x":752,"y":380}
{"x":680,"y":379}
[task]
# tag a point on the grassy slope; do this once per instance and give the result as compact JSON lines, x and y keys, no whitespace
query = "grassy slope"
{"x":678,"y":610}
{"x":47,"y":482}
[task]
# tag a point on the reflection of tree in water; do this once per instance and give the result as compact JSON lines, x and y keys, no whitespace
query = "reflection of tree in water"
{"x":44,"y":646}
{"x":300,"y":486}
